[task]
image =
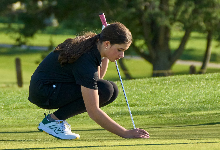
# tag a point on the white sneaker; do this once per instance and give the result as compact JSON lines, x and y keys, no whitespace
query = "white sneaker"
{"x":58,"y":128}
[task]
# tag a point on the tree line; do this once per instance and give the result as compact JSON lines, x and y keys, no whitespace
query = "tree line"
{"x":150,"y":21}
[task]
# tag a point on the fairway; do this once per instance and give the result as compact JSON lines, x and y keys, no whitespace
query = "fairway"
{"x":164,"y":137}
{"x":179,"y":112}
{"x":170,"y":71}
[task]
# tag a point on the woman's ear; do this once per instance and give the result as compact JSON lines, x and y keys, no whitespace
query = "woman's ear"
{"x":107,"y":43}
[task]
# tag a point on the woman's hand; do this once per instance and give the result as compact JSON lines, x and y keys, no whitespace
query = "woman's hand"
{"x":136,"y":133}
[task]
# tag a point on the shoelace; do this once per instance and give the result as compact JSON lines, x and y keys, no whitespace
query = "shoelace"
{"x":64,"y":125}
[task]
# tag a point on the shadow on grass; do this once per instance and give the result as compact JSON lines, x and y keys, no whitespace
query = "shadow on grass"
{"x":131,"y":145}
{"x":40,"y":131}
{"x":18,"y":51}
{"x":194,"y":37}
{"x":111,"y":146}
{"x":18,"y":132}
{"x":192,"y":54}
{"x":205,"y":124}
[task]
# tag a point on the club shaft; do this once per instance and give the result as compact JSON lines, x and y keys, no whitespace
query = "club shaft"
{"x":125,"y":94}
{"x":103,"y":20}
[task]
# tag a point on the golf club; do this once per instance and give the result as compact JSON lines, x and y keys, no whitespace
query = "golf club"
{"x":104,"y":23}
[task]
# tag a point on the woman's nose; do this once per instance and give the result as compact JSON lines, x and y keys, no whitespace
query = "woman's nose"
{"x":121,"y":55}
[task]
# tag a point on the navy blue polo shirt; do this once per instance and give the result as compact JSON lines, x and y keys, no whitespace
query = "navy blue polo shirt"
{"x":84,"y":71}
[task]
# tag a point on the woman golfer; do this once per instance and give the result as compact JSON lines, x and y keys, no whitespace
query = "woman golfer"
{"x":70,"y":79}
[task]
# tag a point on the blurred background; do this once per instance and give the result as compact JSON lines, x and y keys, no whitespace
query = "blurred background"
{"x":170,"y":37}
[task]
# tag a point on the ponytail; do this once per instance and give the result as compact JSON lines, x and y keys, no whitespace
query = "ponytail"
{"x":71,"y":49}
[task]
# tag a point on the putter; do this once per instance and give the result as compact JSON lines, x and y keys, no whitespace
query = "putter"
{"x":104,"y":23}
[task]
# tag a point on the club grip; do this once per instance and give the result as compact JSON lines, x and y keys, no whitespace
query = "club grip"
{"x":103,"y":20}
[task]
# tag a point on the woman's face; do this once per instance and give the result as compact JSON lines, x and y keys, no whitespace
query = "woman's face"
{"x":116,"y":51}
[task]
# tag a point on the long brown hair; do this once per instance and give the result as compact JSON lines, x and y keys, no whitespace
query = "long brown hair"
{"x":71,"y":49}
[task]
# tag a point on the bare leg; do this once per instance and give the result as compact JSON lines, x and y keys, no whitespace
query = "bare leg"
{"x":54,"y":117}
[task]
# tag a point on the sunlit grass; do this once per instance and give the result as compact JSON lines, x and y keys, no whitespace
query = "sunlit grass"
{"x":179,"y":112}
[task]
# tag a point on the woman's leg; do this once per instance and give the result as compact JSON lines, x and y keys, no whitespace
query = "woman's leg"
{"x":72,"y":104}
{"x":113,"y":97}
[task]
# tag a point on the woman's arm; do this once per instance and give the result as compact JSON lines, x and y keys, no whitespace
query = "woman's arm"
{"x":91,"y":100}
{"x":103,"y":68}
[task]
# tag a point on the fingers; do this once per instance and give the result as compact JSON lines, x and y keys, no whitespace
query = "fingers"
{"x":143,"y":131}
{"x":136,"y":133}
{"x":140,"y":133}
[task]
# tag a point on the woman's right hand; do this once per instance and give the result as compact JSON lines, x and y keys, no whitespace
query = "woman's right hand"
{"x":136,"y":133}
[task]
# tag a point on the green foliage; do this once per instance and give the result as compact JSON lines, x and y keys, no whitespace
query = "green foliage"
{"x":83,"y":15}
{"x":149,"y":21}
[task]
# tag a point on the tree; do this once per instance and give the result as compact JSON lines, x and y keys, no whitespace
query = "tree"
{"x":155,"y":20}
{"x":150,"y":21}
{"x":207,"y":54}
{"x":211,"y":25}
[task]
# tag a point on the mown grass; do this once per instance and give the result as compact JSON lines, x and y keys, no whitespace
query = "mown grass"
{"x":31,"y":58}
{"x":179,"y":112}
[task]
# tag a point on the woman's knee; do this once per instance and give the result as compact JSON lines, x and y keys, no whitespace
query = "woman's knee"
{"x":115,"y":93}
{"x":107,"y":90}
